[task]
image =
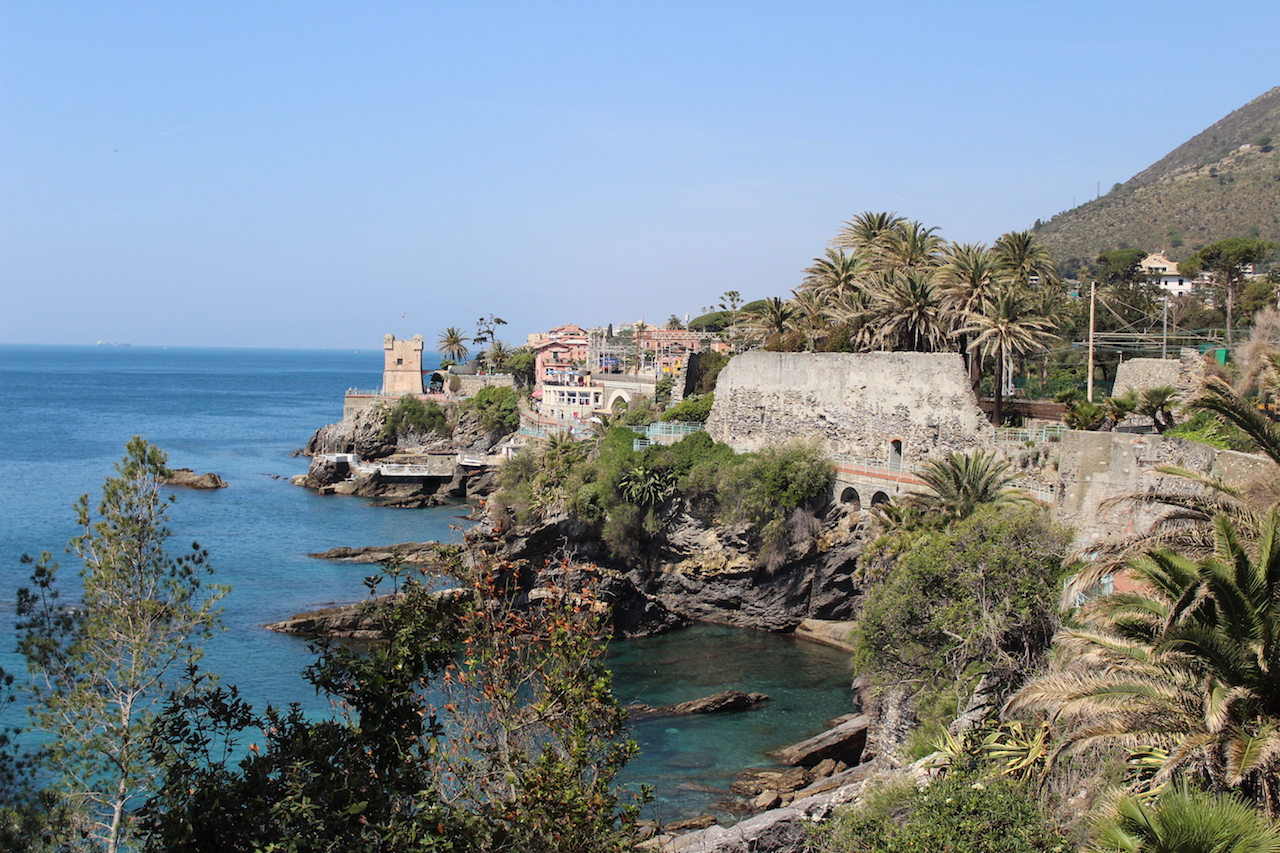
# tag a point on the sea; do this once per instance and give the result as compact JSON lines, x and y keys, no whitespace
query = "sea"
{"x":66,"y":413}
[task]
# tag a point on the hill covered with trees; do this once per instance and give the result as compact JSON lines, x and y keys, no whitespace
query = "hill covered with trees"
{"x":1224,"y":182}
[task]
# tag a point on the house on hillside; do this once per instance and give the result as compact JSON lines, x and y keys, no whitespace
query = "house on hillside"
{"x":1165,"y":271}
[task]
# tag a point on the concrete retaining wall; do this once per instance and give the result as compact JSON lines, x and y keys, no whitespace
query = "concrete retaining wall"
{"x":1096,"y":466}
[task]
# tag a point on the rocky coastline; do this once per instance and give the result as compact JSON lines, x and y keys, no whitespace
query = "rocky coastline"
{"x":692,"y":571}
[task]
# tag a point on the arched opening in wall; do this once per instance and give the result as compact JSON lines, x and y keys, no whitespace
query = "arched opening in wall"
{"x":895,"y":455}
{"x":850,"y":496}
{"x":879,"y":498}
{"x":618,"y":403}
{"x":435,"y":383}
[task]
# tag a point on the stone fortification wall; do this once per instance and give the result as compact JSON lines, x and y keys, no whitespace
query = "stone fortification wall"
{"x":1096,"y":466}
{"x":856,"y":403}
{"x":469,"y":386}
{"x":1184,"y":373}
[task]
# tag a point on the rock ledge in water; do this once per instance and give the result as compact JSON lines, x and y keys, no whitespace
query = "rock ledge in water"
{"x":725,"y":700}
{"x":190,"y":479}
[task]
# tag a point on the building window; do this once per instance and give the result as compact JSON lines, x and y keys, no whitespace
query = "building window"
{"x":399,"y":361}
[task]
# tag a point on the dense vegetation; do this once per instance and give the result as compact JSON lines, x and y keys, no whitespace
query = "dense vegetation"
{"x":966,"y":609}
{"x":412,"y":415}
{"x":630,"y":495}
{"x":498,"y":407}
{"x":144,"y":751}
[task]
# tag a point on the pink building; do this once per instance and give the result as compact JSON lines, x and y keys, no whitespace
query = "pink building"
{"x":669,"y":346}
{"x":560,"y":355}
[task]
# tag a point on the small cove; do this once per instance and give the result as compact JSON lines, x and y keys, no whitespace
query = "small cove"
{"x":240,"y":413}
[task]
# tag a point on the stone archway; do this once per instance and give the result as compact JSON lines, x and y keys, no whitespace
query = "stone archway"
{"x":849,"y":495}
{"x":879,"y":498}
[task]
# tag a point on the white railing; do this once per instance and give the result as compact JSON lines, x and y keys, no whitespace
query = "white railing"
{"x":873,"y":467}
{"x":1036,"y":435}
{"x":1040,"y":491}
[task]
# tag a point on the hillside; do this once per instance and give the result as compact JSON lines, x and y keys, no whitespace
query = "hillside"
{"x":1224,"y":182}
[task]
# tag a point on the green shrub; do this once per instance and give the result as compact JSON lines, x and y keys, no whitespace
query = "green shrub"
{"x":707,"y":371}
{"x":1206,"y":428}
{"x":498,"y":407}
{"x":694,"y":409}
{"x":640,"y":412}
{"x":977,"y":598}
{"x":964,"y":813}
{"x":413,"y":415}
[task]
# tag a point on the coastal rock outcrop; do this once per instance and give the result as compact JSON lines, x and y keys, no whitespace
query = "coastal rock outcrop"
{"x":701,"y":571}
{"x":189,"y":479}
{"x":361,"y":434}
{"x":725,"y":700}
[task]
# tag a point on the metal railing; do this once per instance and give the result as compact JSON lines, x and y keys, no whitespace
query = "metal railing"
{"x":1044,"y":493}
{"x":874,"y":468}
{"x":1037,"y":435}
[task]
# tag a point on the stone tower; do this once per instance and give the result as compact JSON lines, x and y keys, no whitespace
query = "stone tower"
{"x":402,"y":370}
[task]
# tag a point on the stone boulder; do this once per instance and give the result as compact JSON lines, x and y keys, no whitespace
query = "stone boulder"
{"x":360,"y":434}
{"x":187,"y":478}
{"x":725,"y":700}
{"x":844,"y":743}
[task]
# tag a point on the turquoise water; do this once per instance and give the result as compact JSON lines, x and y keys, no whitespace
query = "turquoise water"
{"x":66,"y":413}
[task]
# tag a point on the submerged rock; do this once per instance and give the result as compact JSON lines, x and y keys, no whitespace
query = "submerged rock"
{"x":725,"y":700}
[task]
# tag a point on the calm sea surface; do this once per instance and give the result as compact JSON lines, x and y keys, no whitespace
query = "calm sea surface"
{"x":66,"y":413}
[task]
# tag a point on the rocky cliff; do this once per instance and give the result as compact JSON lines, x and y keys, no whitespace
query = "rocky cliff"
{"x":362,"y":433}
{"x":695,"y":571}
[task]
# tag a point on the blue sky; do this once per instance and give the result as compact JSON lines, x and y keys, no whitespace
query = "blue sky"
{"x":304,"y":174}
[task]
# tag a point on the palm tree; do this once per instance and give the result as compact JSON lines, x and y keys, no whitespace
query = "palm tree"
{"x":1024,"y":259}
{"x":497,"y":355}
{"x":1188,"y":664}
{"x":1006,"y":327}
{"x":968,"y":278}
{"x":868,"y":234}
{"x":770,"y":320}
{"x":906,"y":312}
{"x":962,"y":483}
{"x":453,"y":344}
{"x":833,"y":276}
{"x":1157,"y":403}
{"x":913,"y":245}
{"x":1183,"y":821}
{"x":1188,"y":524}
{"x":811,"y":317}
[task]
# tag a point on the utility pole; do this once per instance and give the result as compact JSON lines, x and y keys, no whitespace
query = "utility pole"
{"x":1093,"y":299}
{"x":1164,"y":339}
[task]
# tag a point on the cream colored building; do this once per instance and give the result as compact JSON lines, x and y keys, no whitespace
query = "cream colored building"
{"x":402,"y":366}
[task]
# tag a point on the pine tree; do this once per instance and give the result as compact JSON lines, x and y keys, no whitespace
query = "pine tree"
{"x":101,"y":667}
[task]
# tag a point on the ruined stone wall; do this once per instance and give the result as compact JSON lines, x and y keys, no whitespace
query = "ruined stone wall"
{"x":1096,"y":466}
{"x":1185,"y":373}
{"x":469,"y":386}
{"x":856,"y":403}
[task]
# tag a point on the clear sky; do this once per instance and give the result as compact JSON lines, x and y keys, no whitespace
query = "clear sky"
{"x":304,"y":174}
